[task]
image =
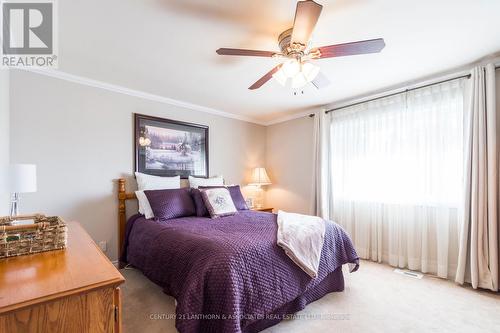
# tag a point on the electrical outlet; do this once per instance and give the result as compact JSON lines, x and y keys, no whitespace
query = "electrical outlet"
{"x":103,"y":245}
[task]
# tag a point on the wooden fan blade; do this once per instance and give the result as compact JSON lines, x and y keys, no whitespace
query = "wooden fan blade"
{"x":306,"y":17}
{"x":265,"y":78}
{"x":321,"y":81}
{"x":347,"y":49}
{"x":243,"y":52}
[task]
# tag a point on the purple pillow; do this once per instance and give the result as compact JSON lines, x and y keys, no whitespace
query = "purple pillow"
{"x":235,"y":191}
{"x":201,"y":209}
{"x":169,"y":204}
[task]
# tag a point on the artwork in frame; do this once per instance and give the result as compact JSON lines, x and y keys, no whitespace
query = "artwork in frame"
{"x":165,"y":147}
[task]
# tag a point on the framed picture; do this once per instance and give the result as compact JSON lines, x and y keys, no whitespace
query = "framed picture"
{"x":165,"y":147}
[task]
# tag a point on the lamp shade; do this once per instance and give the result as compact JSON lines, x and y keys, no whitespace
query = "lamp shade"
{"x":259,"y":177}
{"x":22,"y":178}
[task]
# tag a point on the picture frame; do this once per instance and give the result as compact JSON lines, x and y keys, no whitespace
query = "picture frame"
{"x":166,"y":147}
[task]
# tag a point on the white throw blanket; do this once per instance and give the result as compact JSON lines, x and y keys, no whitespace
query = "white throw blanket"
{"x":302,"y":236}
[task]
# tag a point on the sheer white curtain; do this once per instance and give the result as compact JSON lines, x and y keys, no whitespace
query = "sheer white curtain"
{"x":396,"y":168}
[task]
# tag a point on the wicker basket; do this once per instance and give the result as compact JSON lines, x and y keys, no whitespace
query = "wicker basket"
{"x":46,"y":234}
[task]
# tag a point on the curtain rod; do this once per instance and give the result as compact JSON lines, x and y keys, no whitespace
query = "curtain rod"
{"x":400,"y":92}
{"x":396,"y":93}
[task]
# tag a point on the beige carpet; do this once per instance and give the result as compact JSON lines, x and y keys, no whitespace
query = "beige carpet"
{"x":375,"y":300}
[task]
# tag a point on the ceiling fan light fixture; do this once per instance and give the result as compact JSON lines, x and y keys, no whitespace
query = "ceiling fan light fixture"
{"x":299,"y":73}
{"x":310,"y":71}
{"x":291,"y":68}
{"x":280,"y":77}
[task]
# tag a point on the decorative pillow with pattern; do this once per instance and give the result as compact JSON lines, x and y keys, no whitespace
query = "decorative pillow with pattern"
{"x":234,"y":191}
{"x":236,"y":195}
{"x":218,"y":202}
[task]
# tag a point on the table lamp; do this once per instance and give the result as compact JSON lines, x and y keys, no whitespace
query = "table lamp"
{"x":259,"y":179}
{"x":22,"y":179}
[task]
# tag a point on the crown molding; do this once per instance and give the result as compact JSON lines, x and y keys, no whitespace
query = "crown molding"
{"x":494,"y":58}
{"x":137,"y":93}
{"x":292,"y":116}
{"x":155,"y":98}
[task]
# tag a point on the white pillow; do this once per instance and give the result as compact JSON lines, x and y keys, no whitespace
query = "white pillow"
{"x":144,"y":206}
{"x":195,"y":182}
{"x":148,"y":182}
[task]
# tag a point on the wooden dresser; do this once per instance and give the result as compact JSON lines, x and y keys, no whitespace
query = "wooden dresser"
{"x":72,"y":290}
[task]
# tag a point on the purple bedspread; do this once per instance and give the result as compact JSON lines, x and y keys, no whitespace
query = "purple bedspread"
{"x":228,"y":274}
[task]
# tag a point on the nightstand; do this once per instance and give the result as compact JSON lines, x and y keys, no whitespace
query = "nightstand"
{"x":268,"y":210}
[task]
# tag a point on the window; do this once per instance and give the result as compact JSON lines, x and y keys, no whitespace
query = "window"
{"x":397,"y":182}
{"x":405,"y":149}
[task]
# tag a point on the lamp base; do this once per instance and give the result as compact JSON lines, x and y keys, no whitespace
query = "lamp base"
{"x":259,"y":198}
{"x":14,"y":206}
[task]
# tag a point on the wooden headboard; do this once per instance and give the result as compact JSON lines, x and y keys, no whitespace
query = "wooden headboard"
{"x":123,"y":196}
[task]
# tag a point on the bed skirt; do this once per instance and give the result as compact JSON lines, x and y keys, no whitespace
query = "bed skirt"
{"x":334,"y":282}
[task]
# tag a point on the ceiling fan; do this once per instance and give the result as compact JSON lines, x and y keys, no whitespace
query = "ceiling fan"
{"x":295,"y":48}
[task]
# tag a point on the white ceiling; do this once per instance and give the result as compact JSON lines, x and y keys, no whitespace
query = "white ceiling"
{"x":167,"y":47}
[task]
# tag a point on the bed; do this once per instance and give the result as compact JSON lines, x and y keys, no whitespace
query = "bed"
{"x":228,"y":274}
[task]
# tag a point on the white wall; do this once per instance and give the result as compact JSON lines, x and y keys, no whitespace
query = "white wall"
{"x":81,"y":139}
{"x":4,"y":140}
{"x":289,"y":163}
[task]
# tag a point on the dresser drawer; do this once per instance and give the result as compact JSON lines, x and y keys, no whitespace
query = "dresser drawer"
{"x":92,"y":312}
